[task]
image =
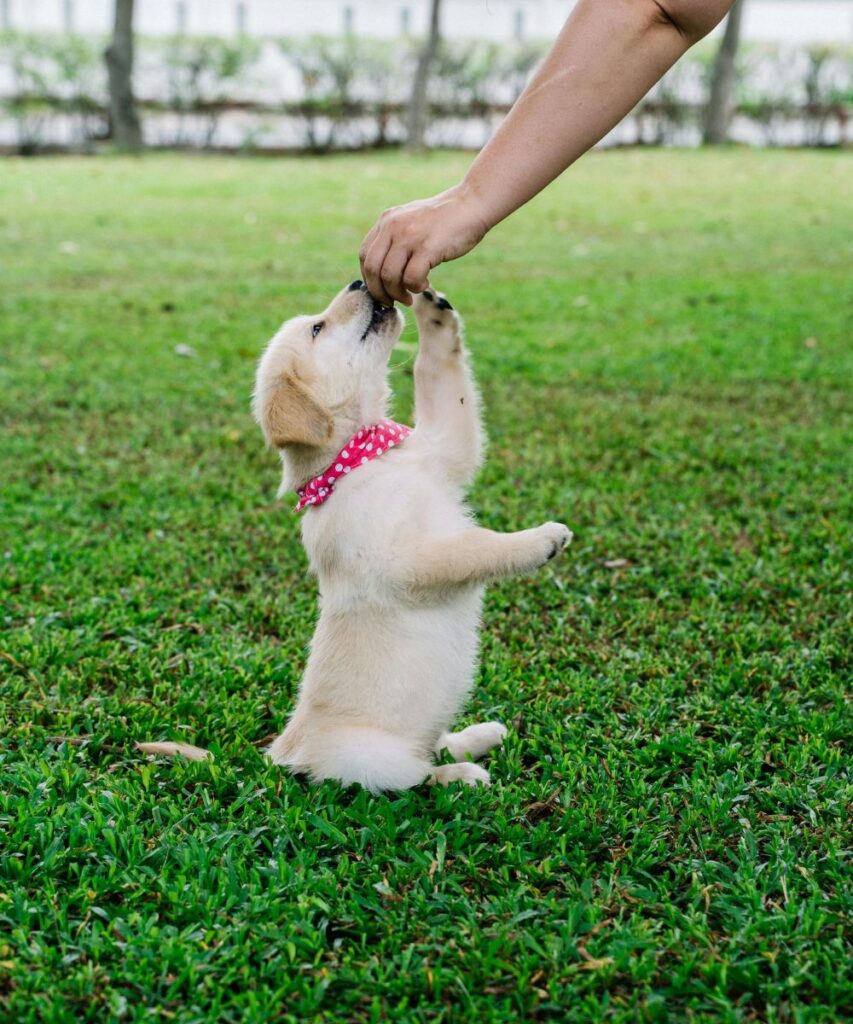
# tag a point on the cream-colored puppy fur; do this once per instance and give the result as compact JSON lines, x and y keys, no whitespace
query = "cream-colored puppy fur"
{"x":400,"y":563}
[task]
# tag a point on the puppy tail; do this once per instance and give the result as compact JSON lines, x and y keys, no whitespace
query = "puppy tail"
{"x":375,"y":759}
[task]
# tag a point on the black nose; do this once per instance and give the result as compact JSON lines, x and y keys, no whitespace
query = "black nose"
{"x":355,"y":286}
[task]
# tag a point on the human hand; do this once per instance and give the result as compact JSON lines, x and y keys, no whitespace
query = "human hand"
{"x":406,"y":242}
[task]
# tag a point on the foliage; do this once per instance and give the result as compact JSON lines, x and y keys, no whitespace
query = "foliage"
{"x":351,"y":92}
{"x":342,"y":77}
{"x":664,"y":356}
{"x":781,"y":84}
{"x":828,"y":86}
{"x":475,"y":76}
{"x":203,"y":76}
{"x":53,"y":73}
{"x":464,"y":74}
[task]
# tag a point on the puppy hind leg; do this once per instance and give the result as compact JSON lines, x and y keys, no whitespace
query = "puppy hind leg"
{"x":474,"y":741}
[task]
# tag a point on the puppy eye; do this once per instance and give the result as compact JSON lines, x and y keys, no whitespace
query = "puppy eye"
{"x":315,"y":330}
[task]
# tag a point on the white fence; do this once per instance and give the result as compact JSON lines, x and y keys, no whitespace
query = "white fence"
{"x":777,"y":21}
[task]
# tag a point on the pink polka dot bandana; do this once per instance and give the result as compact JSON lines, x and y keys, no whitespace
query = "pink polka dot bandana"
{"x":368,"y":444}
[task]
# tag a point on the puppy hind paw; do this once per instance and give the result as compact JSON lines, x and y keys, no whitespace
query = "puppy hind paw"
{"x":473,"y":741}
{"x":464,"y":771}
{"x":489,"y":734}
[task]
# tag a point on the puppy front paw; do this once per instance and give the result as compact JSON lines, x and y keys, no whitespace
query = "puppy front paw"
{"x":439,"y":325}
{"x":552,"y":538}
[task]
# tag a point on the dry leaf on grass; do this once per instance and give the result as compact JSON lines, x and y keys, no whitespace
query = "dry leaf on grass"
{"x":265,"y":741}
{"x":173,"y":749}
{"x":72,"y":741}
{"x":595,"y":964}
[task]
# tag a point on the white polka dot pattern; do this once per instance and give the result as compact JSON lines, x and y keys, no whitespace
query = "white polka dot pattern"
{"x":369,"y":443}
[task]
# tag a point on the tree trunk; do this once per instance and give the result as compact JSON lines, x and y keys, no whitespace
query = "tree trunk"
{"x":124,"y":120}
{"x":419,"y":103}
{"x":718,"y":113}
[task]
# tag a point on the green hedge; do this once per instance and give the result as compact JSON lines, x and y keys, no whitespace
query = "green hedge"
{"x":348,"y":78}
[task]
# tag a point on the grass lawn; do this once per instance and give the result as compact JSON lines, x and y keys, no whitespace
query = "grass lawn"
{"x":662,"y":340}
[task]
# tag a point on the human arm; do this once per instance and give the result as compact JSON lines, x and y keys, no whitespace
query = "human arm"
{"x":606,"y":58}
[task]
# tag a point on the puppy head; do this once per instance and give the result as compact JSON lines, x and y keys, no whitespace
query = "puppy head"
{"x":324,"y":376}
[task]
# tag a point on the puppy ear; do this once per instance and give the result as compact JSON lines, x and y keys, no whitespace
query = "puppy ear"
{"x":290,"y":414}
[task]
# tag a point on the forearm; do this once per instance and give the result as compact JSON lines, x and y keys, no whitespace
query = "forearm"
{"x":609,"y":54}
{"x":576,"y":96}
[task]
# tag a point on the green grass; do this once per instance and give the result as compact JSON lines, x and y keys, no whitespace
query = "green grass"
{"x":662,"y":341}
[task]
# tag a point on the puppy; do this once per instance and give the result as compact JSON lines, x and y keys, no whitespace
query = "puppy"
{"x":400,"y":563}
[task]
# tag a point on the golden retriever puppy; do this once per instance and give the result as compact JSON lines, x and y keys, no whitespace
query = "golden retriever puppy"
{"x":400,"y":563}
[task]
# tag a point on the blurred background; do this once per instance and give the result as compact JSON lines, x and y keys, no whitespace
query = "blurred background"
{"x":285,"y":76}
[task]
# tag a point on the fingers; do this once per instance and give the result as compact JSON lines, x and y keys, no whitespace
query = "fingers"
{"x":392,"y":274}
{"x":393,"y":256}
{"x":391,"y":271}
{"x":372,"y":256}
{"x":416,"y":273}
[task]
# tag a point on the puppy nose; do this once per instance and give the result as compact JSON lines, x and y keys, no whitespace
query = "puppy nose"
{"x":355,"y":286}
